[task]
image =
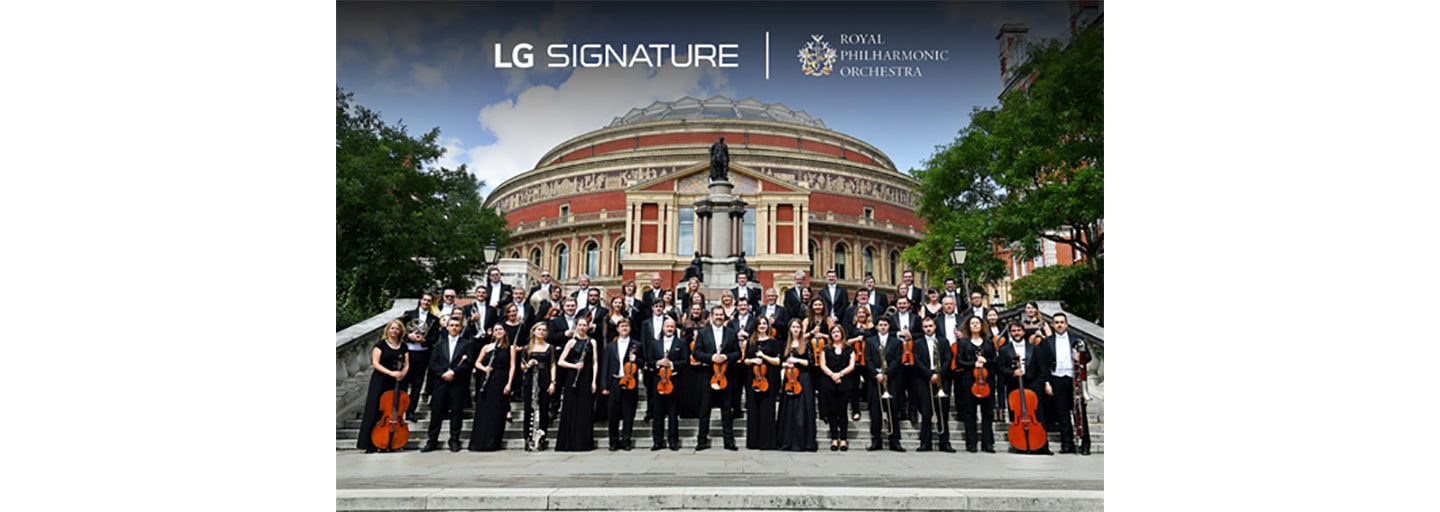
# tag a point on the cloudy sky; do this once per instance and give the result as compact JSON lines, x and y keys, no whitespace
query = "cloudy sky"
{"x":433,"y":65}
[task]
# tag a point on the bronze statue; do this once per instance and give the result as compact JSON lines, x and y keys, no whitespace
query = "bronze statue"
{"x":719,"y":161}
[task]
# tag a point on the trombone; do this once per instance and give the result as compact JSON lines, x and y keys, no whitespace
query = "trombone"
{"x":885,"y":398}
{"x":937,"y":392}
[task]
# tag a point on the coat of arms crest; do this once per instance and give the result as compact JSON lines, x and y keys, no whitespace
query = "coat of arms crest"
{"x":817,"y":58}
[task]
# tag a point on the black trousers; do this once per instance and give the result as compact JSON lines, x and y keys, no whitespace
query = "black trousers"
{"x":942,"y":416}
{"x":621,"y":416}
{"x":417,"y":376}
{"x":711,"y":398}
{"x":447,"y":402}
{"x":968,"y":403}
{"x":918,"y":392}
{"x":1064,"y":407}
{"x":877,"y":412}
{"x":662,"y":411}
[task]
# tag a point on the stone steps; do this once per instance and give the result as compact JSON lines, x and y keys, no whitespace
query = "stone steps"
{"x":691,"y":429}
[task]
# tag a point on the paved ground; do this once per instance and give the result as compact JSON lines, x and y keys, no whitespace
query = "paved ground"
{"x":717,"y":468}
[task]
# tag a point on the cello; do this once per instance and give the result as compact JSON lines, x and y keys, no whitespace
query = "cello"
{"x":391,"y":432}
{"x":1025,"y":431}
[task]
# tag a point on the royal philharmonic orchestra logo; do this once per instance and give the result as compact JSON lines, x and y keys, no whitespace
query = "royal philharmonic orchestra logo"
{"x":817,"y":58}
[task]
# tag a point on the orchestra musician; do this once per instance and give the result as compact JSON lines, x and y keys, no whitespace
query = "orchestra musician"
{"x":539,"y":388}
{"x":743,"y":323}
{"x":928,"y":353}
{"x":837,"y":300}
{"x":500,"y":293}
{"x":837,"y":363}
{"x":1018,"y":357}
{"x":418,"y":343}
{"x":715,"y":345}
{"x":794,"y":302}
{"x":777,"y":315}
{"x":795,"y":421}
{"x":578,"y":385}
{"x":621,"y":402}
{"x":1063,"y":353}
{"x":492,"y":402}
{"x":861,"y":327}
{"x":763,"y":352}
{"x":907,"y":289}
{"x":389,"y":350}
{"x":450,"y":381}
{"x":876,"y":371}
{"x":977,"y":350}
{"x":667,"y":350}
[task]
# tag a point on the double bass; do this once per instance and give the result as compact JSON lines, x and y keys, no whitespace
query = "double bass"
{"x":1025,"y":431}
{"x":391,"y":432}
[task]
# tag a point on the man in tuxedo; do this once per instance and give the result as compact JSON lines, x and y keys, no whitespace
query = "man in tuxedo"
{"x":930,"y":353}
{"x":861,"y":302}
{"x":714,"y":345}
{"x":523,"y":311}
{"x":977,"y":305}
{"x":878,"y":301}
{"x":878,"y":372}
{"x":744,"y":326}
{"x":480,"y":316}
{"x":447,"y":304}
{"x":621,"y":402}
{"x":948,"y":377}
{"x":905,"y":319}
{"x":651,"y":329}
{"x":544,"y":285}
{"x":449,"y":370}
{"x":422,"y":331}
{"x":950,"y":291}
{"x":792,"y":296}
{"x":656,"y":294}
{"x":666,"y":351}
{"x":499,"y":292}
{"x":561,"y":328}
{"x":1020,"y":358}
{"x":778,"y":315}
{"x":1062,"y":353}
{"x":908,"y":289}
{"x":584,"y":290}
{"x":743,"y":292}
{"x":836,"y":299}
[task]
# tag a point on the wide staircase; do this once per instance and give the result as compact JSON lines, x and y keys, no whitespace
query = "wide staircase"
{"x":348,"y":432}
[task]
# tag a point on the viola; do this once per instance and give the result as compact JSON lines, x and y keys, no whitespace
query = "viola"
{"x":665,"y":386}
{"x":1025,"y":431}
{"x":718,"y":382}
{"x":627,"y":378}
{"x":760,"y":384}
{"x":391,"y":432}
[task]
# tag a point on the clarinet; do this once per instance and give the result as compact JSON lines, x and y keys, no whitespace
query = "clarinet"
{"x":584,"y":349}
{"x":486,"y":380}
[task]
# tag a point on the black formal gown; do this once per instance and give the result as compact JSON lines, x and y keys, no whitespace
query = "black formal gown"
{"x":834,"y":395}
{"x":760,"y":407}
{"x":379,"y":384}
{"x":795,"y":428}
{"x":688,"y":387}
{"x":488,"y":432}
{"x":539,"y":410}
{"x":577,"y":424}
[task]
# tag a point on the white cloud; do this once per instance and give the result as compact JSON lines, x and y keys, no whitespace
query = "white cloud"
{"x":558,"y":26}
{"x":542,"y":116}
{"x":455,"y":153}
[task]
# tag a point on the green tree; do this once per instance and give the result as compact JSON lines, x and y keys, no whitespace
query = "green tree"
{"x":1029,"y":169}
{"x":1071,"y":285}
{"x":402,"y":224}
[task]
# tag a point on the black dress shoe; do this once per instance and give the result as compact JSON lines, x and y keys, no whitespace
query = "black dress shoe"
{"x":630,"y":446}
{"x":895,"y":447}
{"x":972,"y":449}
{"x":945,"y":447}
{"x":988,"y":449}
{"x":730,"y":445}
{"x":702,"y":445}
{"x":674,"y":447}
{"x":455,"y":446}
{"x":613,"y":448}
{"x":657,"y":447}
{"x":1084,"y":450}
{"x":429,"y":447}
{"x":874,"y":446}
{"x":1070,"y":449}
{"x":923,"y":448}
{"x":370,"y":450}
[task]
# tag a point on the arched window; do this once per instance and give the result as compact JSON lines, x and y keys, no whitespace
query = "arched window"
{"x":515,"y":255}
{"x":620,"y":257}
{"x":812,"y":258}
{"x":894,"y":267}
{"x":562,"y":262}
{"x":869,"y":261}
{"x":592,"y":259}
{"x":839,"y":261}
{"x":535,"y":256}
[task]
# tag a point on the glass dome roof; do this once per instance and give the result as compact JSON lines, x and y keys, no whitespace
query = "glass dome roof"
{"x":716,"y":107}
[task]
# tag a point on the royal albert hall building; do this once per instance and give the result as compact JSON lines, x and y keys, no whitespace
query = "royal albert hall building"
{"x":619,"y":202}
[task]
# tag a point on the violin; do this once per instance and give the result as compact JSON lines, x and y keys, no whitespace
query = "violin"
{"x":391,"y":432}
{"x":1025,"y":431}
{"x":718,"y":382}
{"x":907,"y":351}
{"x":792,"y":379}
{"x":981,"y":387}
{"x":665,"y":386}
{"x":760,"y":384}
{"x":627,"y":379}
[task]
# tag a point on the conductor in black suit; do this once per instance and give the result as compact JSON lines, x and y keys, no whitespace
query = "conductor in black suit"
{"x":716,"y":344}
{"x":450,"y":366}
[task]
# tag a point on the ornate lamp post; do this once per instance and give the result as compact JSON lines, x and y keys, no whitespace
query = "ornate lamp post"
{"x":957,"y":257}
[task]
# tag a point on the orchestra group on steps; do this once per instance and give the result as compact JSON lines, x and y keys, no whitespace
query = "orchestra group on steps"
{"x":560,"y":361}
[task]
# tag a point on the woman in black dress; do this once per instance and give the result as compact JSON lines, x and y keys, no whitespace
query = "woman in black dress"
{"x":861,"y":328}
{"x":838,"y":365}
{"x":539,"y":388}
{"x":931,"y":308}
{"x":493,"y":367}
{"x":976,"y":350}
{"x":688,"y":391}
{"x":760,"y":406}
{"x":795,"y":427}
{"x":1033,"y":323}
{"x":388,"y":353}
{"x":577,"y":428}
